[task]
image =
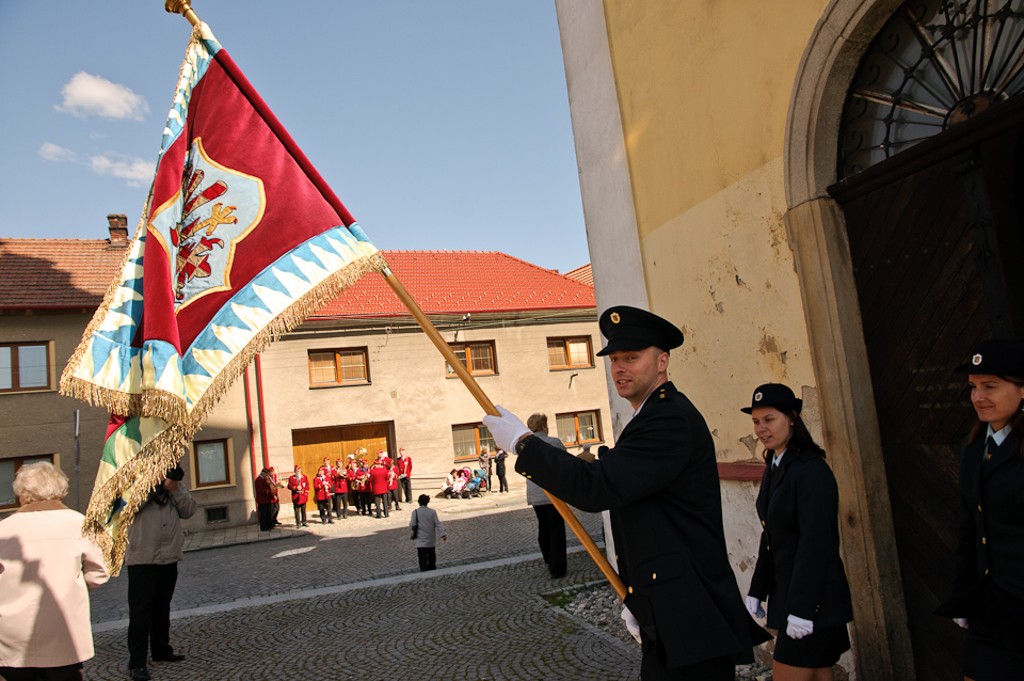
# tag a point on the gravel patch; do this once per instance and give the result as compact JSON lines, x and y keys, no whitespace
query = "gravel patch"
{"x":599,"y":606}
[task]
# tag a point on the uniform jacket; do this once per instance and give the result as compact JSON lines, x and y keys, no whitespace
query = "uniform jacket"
{"x":46,"y":571}
{"x":990,"y":546}
{"x":404,"y":466}
{"x":340,"y":480}
{"x":323,"y":488}
{"x":299,"y":485}
{"x":155,"y":537}
{"x":378,"y":480}
{"x":660,"y":484}
{"x":266,"y":489}
{"x":799,"y":570}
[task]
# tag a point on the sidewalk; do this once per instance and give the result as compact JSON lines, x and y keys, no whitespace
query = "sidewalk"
{"x":354,"y":525}
{"x":346,"y":601}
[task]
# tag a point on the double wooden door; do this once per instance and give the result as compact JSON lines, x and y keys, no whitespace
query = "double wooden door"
{"x":311,"y":446}
{"x":935,"y":239}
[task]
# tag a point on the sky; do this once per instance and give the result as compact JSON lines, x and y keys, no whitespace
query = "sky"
{"x":441,"y":125}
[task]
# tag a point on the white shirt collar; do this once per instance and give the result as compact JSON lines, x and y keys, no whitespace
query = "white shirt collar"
{"x":999,"y":435}
{"x":777,"y":458}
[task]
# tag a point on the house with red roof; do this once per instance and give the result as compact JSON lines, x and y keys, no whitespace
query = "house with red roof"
{"x":360,"y":373}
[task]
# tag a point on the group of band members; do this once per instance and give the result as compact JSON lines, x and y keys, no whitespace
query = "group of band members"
{"x":373,"y":488}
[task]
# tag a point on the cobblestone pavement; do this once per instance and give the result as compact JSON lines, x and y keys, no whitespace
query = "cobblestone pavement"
{"x":347,"y":602}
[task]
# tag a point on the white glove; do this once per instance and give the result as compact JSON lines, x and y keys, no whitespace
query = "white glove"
{"x":961,"y":622}
{"x":631,"y":624}
{"x":754,"y":607}
{"x":798,"y":627}
{"x":506,"y":429}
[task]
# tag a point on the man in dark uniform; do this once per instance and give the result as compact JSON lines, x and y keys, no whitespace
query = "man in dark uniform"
{"x":660,"y":483}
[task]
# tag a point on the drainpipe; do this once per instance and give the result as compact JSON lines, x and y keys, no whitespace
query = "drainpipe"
{"x":262,"y":411}
{"x":248,"y":424}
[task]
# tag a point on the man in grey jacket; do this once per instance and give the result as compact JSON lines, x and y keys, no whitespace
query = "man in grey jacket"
{"x":550,"y":526}
{"x":155,"y":540}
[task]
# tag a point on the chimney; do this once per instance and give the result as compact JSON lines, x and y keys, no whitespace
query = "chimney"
{"x":118,"y":229}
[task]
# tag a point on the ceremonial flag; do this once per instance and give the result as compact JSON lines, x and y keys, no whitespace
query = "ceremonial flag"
{"x":239,"y":241}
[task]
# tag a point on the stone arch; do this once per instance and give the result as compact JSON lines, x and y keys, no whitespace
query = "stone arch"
{"x":817,"y":234}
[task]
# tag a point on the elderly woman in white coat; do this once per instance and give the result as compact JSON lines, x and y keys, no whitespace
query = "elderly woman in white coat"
{"x":46,"y":571}
{"x":426,"y":528}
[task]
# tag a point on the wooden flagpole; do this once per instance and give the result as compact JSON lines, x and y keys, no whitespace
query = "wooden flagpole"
{"x":442,"y":345}
{"x":183,"y":8}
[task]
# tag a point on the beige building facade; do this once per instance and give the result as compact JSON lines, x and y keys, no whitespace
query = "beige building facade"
{"x":361,"y":373}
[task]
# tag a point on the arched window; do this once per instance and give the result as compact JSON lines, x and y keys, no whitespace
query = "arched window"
{"x":934,"y":64}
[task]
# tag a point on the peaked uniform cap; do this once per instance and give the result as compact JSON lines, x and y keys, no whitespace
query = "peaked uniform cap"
{"x":630,"y":328}
{"x":774,"y":395}
{"x":996,"y":356}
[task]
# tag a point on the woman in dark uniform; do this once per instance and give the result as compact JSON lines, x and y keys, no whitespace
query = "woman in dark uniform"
{"x":988,"y":585}
{"x":798,"y":570}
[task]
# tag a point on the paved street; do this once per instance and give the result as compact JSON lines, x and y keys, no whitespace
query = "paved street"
{"x":346,"y":601}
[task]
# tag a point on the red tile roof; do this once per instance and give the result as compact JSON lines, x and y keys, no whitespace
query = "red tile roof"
{"x":71,"y":273}
{"x":583,"y":274}
{"x":457,"y":282}
{"x":56,"y":273}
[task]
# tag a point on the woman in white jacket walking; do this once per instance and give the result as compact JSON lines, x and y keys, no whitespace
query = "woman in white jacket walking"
{"x":426,"y":528}
{"x":46,"y":571}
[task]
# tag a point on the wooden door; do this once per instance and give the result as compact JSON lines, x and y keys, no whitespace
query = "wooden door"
{"x":310,"y":446}
{"x":934,"y":238}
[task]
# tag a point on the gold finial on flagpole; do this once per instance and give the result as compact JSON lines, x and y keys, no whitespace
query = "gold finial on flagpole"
{"x":183,"y":8}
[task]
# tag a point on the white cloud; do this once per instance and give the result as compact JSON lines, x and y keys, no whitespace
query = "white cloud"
{"x":136,"y":170}
{"x":88,"y":95}
{"x":57,"y":153}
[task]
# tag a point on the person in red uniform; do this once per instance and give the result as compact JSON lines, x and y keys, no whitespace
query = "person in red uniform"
{"x":299,"y":485}
{"x":266,"y":497}
{"x":378,"y":484}
{"x":393,"y":493}
{"x":339,"y":479}
{"x":323,"y":488}
{"x":404,"y":467}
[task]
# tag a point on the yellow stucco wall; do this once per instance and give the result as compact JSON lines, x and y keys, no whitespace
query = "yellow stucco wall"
{"x":704,"y":88}
{"x":704,"y":91}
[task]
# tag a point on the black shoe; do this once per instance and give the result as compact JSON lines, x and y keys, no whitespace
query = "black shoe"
{"x":172,"y":657}
{"x":139,"y":674}
{"x":330,"y":522}
{"x":305,"y":525}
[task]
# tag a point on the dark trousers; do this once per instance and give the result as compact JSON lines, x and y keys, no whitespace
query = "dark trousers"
{"x":406,"y":484}
{"x":324,"y":507}
{"x":715,"y":669}
{"x":69,"y":672}
{"x":551,"y":538}
{"x":394,"y":497}
{"x":274,"y":509}
{"x":265,"y":513}
{"x":428,"y":558}
{"x":378,"y":500}
{"x":150,"y":588}
{"x":300,"y":514}
{"x":502,"y":482}
{"x":341,"y":504}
